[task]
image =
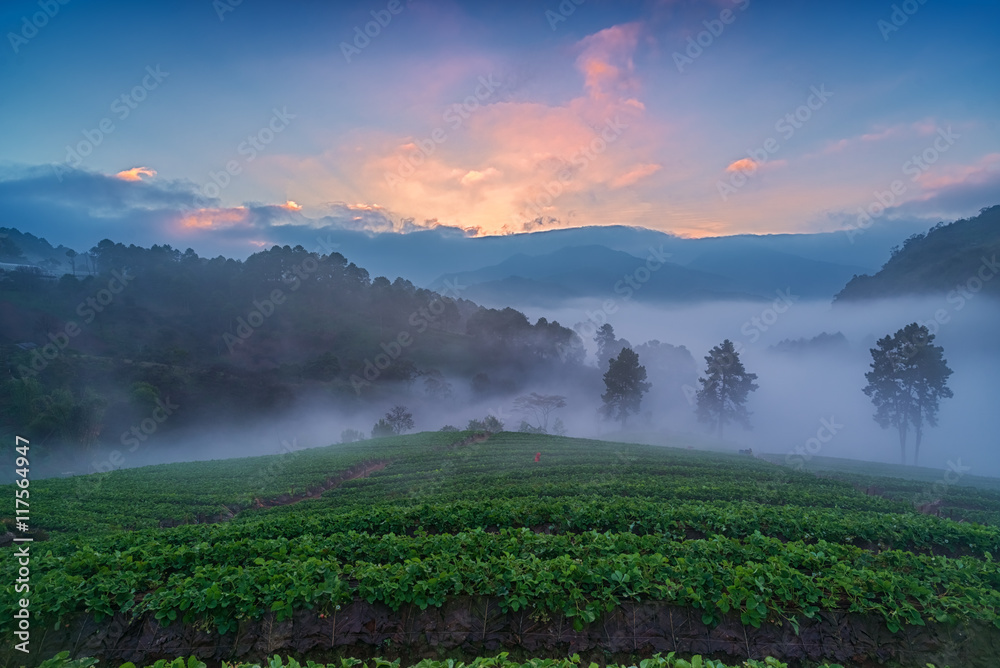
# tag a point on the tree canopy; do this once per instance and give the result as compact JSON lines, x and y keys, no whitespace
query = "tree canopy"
{"x":724,"y":389}
{"x":908,"y":378}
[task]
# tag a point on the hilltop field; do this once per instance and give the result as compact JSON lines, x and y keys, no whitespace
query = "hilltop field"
{"x":446,"y":546}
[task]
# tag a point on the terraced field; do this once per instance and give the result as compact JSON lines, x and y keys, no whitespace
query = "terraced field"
{"x":438,"y":546}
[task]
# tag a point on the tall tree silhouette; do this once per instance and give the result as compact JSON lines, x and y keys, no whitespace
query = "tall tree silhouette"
{"x":724,"y":389}
{"x":908,"y":378}
{"x":625,"y":381}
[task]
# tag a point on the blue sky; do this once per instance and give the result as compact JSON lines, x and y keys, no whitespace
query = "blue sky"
{"x":614,"y":115}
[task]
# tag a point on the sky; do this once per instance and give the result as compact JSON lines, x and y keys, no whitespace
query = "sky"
{"x":198,"y":121}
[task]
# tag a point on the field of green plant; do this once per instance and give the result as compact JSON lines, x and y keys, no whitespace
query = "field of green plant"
{"x":501,"y":661}
{"x":962,"y":495}
{"x":587,"y":528}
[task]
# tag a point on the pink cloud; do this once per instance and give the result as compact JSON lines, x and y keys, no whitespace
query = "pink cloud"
{"x":636,"y":174}
{"x":921,"y":128}
{"x":606,"y":61}
{"x":982,"y":171}
{"x":511,"y":161}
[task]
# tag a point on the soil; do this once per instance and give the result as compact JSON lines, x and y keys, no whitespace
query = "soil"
{"x":467,"y":627}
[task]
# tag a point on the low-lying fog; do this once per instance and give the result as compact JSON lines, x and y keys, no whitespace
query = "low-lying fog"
{"x":799,"y":393}
{"x":799,"y":390}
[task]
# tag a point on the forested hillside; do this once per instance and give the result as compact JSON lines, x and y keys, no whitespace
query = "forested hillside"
{"x":958,"y":258}
{"x":219,"y":338}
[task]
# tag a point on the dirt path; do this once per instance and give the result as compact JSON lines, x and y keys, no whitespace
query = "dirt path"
{"x":360,"y":471}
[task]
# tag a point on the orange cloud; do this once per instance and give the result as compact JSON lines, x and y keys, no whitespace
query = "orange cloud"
{"x":511,"y":161}
{"x":291,"y":206}
{"x":474,"y":176}
{"x":743,"y":165}
{"x":135,"y":174}
{"x":213,"y":218}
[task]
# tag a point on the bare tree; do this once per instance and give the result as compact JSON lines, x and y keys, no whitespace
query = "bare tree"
{"x":399,"y":419}
{"x":539,"y":406}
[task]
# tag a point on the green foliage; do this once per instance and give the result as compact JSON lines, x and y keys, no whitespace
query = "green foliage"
{"x":490,"y":423}
{"x":382,"y":428}
{"x":949,"y":255}
{"x":723,"y":534}
{"x":671,"y":660}
{"x":351,"y":436}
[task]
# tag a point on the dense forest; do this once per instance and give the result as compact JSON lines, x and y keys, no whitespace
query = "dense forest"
{"x":958,"y":258}
{"x":145,"y":332}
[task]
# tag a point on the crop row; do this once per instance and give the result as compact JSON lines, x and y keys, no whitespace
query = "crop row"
{"x":424,"y":468}
{"x":577,"y":575}
{"x":669,"y":520}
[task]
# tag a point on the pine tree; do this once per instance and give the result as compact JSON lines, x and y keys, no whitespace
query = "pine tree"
{"x":724,"y":390}
{"x":625,"y":384}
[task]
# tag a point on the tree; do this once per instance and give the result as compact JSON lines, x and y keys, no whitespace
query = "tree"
{"x":382,"y":428}
{"x":352,"y":435}
{"x":908,"y":378}
{"x":607,"y":344}
{"x":723,"y":394}
{"x":540,"y":406}
{"x":490,"y":423}
{"x":9,"y":250}
{"x":436,"y":386}
{"x":625,"y":382}
{"x":526,"y":428}
{"x":399,"y":419}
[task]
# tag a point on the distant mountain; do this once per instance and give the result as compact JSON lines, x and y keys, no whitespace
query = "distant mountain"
{"x":717,"y":272}
{"x":591,"y":271}
{"x":960,"y":255}
{"x":425,"y":255}
{"x":762,"y":271}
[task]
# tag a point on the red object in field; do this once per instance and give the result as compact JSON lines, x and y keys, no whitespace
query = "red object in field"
{"x":538,"y":456}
